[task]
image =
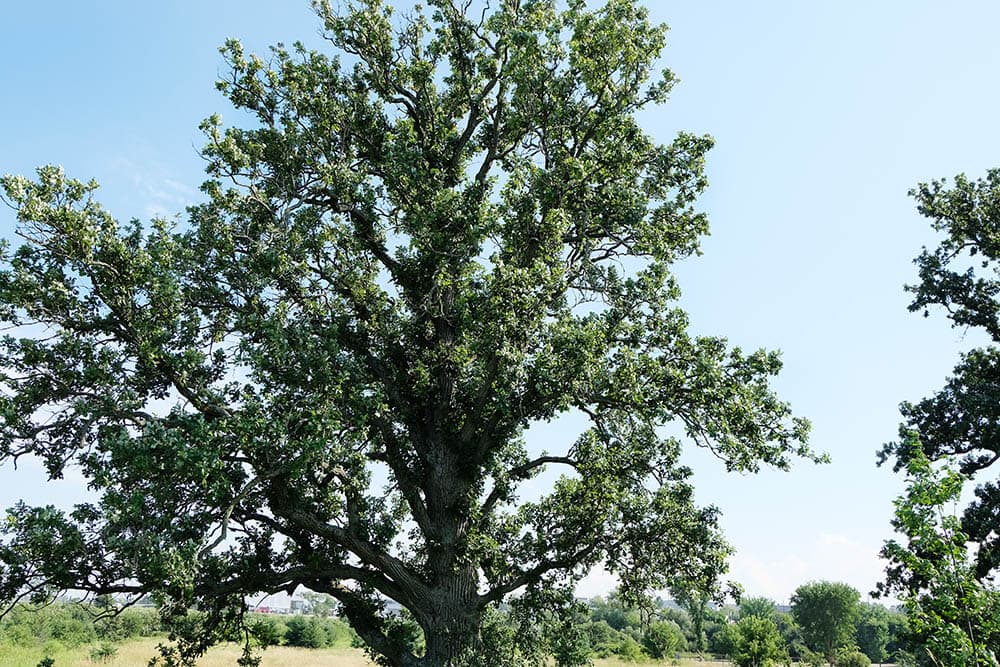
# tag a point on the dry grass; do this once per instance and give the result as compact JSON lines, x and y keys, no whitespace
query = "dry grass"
{"x":137,"y":654}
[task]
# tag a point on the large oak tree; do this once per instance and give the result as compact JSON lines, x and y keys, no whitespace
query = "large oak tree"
{"x":446,"y":231}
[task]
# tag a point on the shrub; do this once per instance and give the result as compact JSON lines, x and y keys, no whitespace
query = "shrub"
{"x":105,"y":652}
{"x":852,"y":657}
{"x":663,"y":639}
{"x":306,"y":632}
{"x":758,"y":643}
{"x":629,"y":650}
{"x":266,"y":631}
{"x":64,"y":624}
{"x":724,"y":641}
{"x":602,"y":637}
{"x":127,"y":624}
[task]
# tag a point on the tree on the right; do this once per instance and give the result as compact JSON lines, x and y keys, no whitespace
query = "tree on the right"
{"x":953,"y":618}
{"x":944,"y":567}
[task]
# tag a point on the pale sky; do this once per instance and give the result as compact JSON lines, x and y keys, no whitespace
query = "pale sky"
{"x":824,"y":113}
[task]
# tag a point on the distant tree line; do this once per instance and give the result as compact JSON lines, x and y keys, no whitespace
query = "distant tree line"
{"x":73,"y":624}
{"x":68,"y":625}
{"x":826,"y":623}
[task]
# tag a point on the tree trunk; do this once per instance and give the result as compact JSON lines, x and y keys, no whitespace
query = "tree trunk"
{"x":451,"y":629}
{"x":451,"y":644}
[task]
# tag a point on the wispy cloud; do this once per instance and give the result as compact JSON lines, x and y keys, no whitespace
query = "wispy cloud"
{"x":829,"y":557}
{"x":159,"y":195}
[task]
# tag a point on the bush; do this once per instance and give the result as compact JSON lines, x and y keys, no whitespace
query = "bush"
{"x":306,"y":632}
{"x":663,"y":639}
{"x":127,"y":624}
{"x":724,"y":641}
{"x":266,"y":631}
{"x":104,"y":653}
{"x":603,"y":638}
{"x":313,"y":632}
{"x":810,"y":657}
{"x":852,"y":657}
{"x":758,"y":643}
{"x":66,"y":624}
{"x":629,"y":650}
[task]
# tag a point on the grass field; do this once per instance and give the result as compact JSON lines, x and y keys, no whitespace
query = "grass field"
{"x":137,"y":653}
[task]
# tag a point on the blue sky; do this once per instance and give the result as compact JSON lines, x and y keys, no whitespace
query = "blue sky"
{"x":824,"y":113}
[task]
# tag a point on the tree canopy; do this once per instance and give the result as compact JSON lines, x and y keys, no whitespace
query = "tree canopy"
{"x":447,"y":230}
{"x":826,"y":612}
{"x":758,"y":643}
{"x":960,"y":276}
{"x":761,"y":607}
{"x":944,"y":566}
{"x":953,"y":619}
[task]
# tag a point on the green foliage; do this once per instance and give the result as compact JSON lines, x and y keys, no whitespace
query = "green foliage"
{"x":759,"y":606}
{"x":757,"y":643}
{"x":811,"y":658}
{"x":408,"y":257}
{"x":691,"y":625}
{"x":267,"y":631}
{"x":791,"y":634}
{"x":949,"y":438}
{"x":614,"y":611}
{"x":629,"y":650}
{"x":128,"y":623}
{"x":826,"y":612}
{"x":602,"y":638}
{"x":898,"y":632}
{"x":851,"y":656}
{"x":307,"y":632}
{"x":565,"y":633}
{"x":68,"y":624}
{"x":694,"y":598}
{"x":503,"y":645}
{"x":724,"y":641}
{"x":872,"y":632}
{"x":953,"y":617}
{"x":47,"y":661}
{"x":103,"y":652}
{"x":663,"y":640}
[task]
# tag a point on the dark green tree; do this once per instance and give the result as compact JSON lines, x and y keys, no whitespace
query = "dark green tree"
{"x":695,"y":601}
{"x":449,"y":230}
{"x":791,"y":634}
{"x":949,"y":440}
{"x":826,"y":611}
{"x":872,"y":632}
{"x":960,"y":276}
{"x":307,"y":632}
